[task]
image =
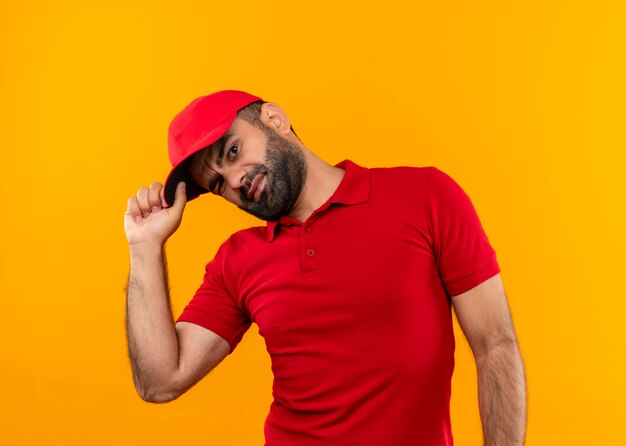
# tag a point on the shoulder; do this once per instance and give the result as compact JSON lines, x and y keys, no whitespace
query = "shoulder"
{"x":443,"y":187}
{"x":421,"y":180}
{"x":401,"y":180}
{"x":246,"y":237}
{"x":241,"y":243}
{"x":402,"y":173}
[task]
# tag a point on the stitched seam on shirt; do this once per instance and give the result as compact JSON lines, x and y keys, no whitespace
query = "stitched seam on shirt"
{"x":431,"y":227}
{"x":216,"y":317}
{"x":464,"y":276}
{"x":226,"y":286}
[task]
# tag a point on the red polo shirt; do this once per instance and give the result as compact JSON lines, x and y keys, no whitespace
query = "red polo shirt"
{"x":354,"y":307}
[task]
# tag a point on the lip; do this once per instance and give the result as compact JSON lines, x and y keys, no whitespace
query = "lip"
{"x":254,"y":186}
{"x":260,"y":187}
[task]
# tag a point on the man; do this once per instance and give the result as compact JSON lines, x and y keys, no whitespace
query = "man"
{"x":350,"y":283}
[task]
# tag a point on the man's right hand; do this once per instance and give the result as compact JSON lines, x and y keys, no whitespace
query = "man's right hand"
{"x":149,"y":220}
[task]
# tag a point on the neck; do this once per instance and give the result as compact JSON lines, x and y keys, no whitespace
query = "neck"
{"x":321,"y":182}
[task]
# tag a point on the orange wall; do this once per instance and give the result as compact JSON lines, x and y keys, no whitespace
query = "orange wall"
{"x":521,"y":102}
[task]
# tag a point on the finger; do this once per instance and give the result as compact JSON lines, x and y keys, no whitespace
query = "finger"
{"x":180,"y":197}
{"x":142,"y":201}
{"x":162,"y":197}
{"x":132,"y":209}
{"x":154,"y":196}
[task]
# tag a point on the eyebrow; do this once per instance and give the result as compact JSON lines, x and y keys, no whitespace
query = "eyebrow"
{"x":222,"y":141}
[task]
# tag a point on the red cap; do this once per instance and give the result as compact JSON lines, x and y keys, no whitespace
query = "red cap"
{"x":197,"y":126}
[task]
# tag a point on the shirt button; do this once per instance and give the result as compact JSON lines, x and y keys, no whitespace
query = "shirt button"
{"x":307,"y":230}
{"x":310,"y":252}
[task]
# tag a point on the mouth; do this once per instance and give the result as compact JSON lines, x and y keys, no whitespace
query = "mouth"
{"x":254,"y":192}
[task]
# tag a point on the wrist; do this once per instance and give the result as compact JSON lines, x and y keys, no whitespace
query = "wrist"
{"x":139,"y":251}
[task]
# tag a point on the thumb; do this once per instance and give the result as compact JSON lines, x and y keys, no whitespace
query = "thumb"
{"x":180,"y":197}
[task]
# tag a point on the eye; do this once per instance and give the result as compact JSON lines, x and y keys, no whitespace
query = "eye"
{"x":232,"y":153}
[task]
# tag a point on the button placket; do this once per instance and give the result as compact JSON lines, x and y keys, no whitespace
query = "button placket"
{"x":309,"y":249}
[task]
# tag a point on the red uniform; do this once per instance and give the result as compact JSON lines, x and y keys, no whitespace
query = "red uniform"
{"x":354,"y":307}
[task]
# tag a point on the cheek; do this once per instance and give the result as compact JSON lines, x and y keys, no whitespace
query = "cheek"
{"x":232,"y":197}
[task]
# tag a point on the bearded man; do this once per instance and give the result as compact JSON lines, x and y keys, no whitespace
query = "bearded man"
{"x":351,"y":282}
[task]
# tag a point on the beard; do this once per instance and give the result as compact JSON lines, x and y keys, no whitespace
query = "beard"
{"x":285,"y":172}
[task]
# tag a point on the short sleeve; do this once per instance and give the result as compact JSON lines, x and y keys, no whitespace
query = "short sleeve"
{"x":463,"y":253}
{"x":214,"y":308}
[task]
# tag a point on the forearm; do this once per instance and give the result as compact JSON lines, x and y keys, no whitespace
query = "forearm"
{"x":152,"y":339}
{"x":502,"y":395}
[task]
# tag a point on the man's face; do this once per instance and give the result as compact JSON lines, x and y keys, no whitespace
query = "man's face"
{"x":254,"y":168}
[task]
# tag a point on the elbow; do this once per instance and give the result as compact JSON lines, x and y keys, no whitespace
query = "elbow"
{"x":504,"y":352}
{"x":157,"y":394}
{"x":495,"y":345}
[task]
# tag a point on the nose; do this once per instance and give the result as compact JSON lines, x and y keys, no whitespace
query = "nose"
{"x":235,"y":177}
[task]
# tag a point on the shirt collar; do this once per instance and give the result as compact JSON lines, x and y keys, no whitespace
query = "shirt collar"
{"x":353,"y":189}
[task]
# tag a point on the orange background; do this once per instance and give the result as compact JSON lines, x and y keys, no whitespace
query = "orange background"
{"x":521,"y":103}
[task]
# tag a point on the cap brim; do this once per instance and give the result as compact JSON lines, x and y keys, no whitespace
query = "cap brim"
{"x":179,"y":172}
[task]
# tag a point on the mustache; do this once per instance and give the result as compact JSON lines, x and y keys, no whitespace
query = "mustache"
{"x":257,"y":170}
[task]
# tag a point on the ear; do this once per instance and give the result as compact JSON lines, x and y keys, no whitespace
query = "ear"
{"x":274,"y":116}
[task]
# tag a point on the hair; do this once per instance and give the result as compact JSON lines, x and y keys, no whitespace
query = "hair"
{"x":252,"y":114}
